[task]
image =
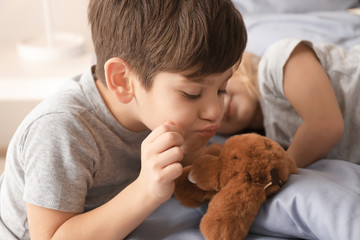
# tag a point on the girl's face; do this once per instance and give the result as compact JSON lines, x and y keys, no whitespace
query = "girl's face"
{"x":240,"y":108}
{"x":195,"y":105}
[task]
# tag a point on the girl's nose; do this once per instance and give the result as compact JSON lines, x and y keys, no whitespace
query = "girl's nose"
{"x":227,"y":99}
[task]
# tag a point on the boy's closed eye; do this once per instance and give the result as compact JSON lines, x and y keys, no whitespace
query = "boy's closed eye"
{"x":197,"y":96}
{"x":192,"y":92}
{"x":192,"y":96}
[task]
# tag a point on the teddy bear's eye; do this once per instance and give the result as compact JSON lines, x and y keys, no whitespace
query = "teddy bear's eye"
{"x":235,"y":157}
{"x":249,"y":177}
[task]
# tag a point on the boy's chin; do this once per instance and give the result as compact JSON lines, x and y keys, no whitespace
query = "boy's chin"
{"x":194,"y":145}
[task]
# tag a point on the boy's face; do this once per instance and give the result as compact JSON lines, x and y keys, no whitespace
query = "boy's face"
{"x":240,"y":108}
{"x":196,"y":105}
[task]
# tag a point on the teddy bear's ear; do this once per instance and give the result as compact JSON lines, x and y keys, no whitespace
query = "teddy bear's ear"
{"x":292,"y":166}
{"x":286,"y":167}
{"x":282,"y":168}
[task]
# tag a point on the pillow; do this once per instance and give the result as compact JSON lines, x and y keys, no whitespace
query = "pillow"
{"x":292,"y":6}
{"x":321,"y":202}
{"x":338,"y":27}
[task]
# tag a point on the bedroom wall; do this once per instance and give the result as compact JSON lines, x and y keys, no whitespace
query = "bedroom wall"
{"x":24,"y":84}
{"x":20,"y":18}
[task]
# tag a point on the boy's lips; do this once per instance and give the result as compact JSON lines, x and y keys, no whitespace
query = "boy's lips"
{"x":209,"y":131}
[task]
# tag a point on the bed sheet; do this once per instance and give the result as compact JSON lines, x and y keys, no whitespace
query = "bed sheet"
{"x":320,"y":202}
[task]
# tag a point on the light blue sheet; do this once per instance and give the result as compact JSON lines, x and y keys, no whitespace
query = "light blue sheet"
{"x":170,"y":221}
{"x":321,"y":202}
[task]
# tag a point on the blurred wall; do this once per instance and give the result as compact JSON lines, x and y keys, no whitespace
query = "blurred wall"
{"x":22,"y":18}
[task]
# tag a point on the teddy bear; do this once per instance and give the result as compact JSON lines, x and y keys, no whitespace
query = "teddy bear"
{"x":236,"y":178}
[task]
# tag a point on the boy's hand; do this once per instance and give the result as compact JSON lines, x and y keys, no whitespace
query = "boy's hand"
{"x":160,"y":161}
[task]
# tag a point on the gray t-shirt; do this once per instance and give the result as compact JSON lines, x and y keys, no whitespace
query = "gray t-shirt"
{"x":70,"y":154}
{"x":343,"y":68}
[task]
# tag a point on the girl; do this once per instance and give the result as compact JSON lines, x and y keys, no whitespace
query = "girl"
{"x":304,"y":95}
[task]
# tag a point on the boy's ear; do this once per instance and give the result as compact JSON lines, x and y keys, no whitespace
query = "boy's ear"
{"x":118,"y":80}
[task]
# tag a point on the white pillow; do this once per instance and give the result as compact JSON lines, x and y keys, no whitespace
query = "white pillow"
{"x":292,"y":6}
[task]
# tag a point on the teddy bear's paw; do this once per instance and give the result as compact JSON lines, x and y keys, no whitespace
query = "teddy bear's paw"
{"x":187,"y":193}
{"x":205,"y":173}
{"x":227,"y":228}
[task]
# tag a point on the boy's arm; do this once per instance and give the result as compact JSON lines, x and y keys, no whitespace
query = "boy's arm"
{"x":160,"y":157}
{"x":113,"y":220}
{"x":308,"y":89}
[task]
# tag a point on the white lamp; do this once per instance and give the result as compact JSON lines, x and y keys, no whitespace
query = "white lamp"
{"x":51,"y":45}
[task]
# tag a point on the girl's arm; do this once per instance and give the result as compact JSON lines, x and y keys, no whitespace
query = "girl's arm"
{"x":308,"y":89}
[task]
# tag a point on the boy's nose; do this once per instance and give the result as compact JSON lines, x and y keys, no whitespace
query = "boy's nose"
{"x":212,"y":111}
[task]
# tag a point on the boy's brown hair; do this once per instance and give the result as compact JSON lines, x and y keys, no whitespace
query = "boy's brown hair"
{"x":199,"y":37}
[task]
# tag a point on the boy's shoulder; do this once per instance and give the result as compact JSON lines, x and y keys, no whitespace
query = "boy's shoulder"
{"x":75,"y":96}
{"x":72,"y":104}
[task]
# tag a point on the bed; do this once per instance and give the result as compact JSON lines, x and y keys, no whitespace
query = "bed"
{"x":322,"y":201}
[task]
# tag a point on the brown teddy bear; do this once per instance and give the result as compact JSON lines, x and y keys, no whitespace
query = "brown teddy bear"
{"x":236,"y":177}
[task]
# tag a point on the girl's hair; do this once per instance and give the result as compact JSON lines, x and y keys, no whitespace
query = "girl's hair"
{"x":247,"y":73}
{"x":196,"y":37}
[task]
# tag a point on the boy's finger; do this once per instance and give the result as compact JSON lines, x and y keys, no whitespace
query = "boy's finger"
{"x":168,"y":140}
{"x":173,"y":171}
{"x":166,"y":127}
{"x":163,"y":143}
{"x":169,"y":157}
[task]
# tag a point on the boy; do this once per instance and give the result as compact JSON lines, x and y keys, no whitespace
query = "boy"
{"x":74,"y":168}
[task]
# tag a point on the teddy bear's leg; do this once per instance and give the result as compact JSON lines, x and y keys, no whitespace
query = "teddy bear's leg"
{"x":187,"y":193}
{"x":232,"y":211}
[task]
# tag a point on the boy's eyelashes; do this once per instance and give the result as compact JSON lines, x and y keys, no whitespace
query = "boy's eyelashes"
{"x":192,"y":96}
{"x":196,"y":96}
